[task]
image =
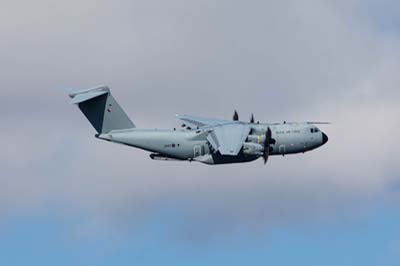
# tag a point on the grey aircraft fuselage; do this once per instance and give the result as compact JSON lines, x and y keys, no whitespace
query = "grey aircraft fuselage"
{"x":210,"y":141}
{"x":192,"y":145}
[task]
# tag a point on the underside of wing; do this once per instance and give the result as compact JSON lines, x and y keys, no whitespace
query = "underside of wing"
{"x":228,"y":139}
{"x":200,"y":121}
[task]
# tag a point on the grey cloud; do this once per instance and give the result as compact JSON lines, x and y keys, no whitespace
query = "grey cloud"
{"x":282,"y":60}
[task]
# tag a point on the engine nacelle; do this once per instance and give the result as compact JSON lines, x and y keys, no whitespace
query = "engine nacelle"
{"x":259,"y":139}
{"x":250,"y":148}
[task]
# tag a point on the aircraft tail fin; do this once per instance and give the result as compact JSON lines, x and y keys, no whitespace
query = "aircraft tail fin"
{"x":101,"y":109}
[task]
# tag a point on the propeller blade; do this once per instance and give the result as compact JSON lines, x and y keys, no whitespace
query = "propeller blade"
{"x":235,"y":116}
{"x":252,"y":118}
{"x":265,"y":156}
{"x":268,"y":134}
{"x":268,"y":137}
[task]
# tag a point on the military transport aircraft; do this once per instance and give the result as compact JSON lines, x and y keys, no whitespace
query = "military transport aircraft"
{"x":209,"y":141}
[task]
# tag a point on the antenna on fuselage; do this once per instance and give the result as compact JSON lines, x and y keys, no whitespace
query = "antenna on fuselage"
{"x":252,"y":118}
{"x":235,"y":116}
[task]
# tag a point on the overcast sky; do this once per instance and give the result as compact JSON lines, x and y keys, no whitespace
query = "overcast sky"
{"x":288,"y":60}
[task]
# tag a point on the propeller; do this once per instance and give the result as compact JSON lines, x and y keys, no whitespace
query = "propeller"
{"x":252,"y":118}
{"x":235,"y":116}
{"x":266,"y":145}
{"x":268,"y":141}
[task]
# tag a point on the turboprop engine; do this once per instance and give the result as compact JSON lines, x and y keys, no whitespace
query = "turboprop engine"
{"x":251,"y":148}
{"x":259,"y":145}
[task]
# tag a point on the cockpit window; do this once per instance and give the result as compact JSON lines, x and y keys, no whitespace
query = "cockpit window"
{"x":314,"y":130}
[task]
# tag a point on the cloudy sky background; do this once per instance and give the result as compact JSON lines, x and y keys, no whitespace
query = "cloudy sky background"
{"x":68,"y":198}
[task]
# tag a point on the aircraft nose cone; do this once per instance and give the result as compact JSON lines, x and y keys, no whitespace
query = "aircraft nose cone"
{"x":324,"y":138}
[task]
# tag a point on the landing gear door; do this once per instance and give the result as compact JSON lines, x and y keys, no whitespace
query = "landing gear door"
{"x":197,"y":151}
{"x":282,"y":149}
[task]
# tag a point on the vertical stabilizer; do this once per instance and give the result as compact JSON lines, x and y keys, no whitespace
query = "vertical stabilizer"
{"x":101,"y":109}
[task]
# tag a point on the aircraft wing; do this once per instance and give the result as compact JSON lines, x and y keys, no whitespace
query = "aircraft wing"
{"x":228,"y":139}
{"x":200,"y":121}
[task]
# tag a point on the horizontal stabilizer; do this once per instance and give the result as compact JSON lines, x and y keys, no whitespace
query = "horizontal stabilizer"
{"x":79,"y":98}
